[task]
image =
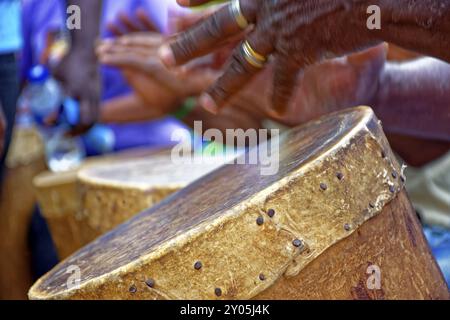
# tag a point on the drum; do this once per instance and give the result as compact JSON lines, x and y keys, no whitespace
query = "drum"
{"x":81,"y":205}
{"x":17,"y":200}
{"x":59,"y":201}
{"x":333,"y":222}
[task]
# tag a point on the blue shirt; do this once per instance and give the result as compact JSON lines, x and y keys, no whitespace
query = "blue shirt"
{"x":39,"y":17}
{"x":10,"y":26}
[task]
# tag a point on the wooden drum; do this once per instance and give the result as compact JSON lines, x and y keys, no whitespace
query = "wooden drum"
{"x":81,"y":205}
{"x":333,"y":223}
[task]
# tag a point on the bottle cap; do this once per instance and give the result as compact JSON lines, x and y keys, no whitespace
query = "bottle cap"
{"x":38,"y":73}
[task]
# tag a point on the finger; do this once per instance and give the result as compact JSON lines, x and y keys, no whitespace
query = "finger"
{"x":237,"y":74}
{"x":185,"y":21}
{"x":110,"y":47}
{"x":375,"y":55}
{"x":101,"y":48}
{"x":144,"y":20}
{"x":149,"y":67}
{"x":205,"y":36}
{"x":114,"y":29}
{"x":284,"y":83}
{"x":125,"y":59}
{"x":192,"y":3}
{"x":124,"y":50}
{"x":89,"y":113}
{"x":128,"y":24}
{"x":141,"y":40}
{"x":203,"y":63}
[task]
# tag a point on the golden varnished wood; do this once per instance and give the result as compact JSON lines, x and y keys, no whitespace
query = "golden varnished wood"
{"x":266,"y":236}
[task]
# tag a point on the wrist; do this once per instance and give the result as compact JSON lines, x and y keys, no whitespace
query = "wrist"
{"x":419,"y":28}
{"x":85,"y":55}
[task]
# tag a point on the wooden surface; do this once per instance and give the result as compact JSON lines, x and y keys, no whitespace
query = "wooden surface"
{"x":337,"y":178}
{"x":17,"y":201}
{"x":393,"y":242}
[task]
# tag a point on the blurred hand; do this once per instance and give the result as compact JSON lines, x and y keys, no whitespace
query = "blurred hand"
{"x":285,"y":30}
{"x":136,"y":55}
{"x":136,"y":22}
{"x":80,"y":78}
{"x":165,"y":90}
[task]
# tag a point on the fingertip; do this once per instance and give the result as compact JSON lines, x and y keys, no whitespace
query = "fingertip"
{"x":208,"y":103}
{"x":279,"y":106}
{"x":385,"y":49}
{"x":275,"y":114}
{"x":166,"y":55}
{"x":184,"y":3}
{"x":101,"y":50}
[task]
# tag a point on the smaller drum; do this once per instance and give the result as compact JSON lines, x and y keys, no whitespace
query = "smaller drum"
{"x":81,"y":205}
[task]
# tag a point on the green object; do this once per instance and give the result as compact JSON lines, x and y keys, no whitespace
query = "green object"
{"x":186,"y":108}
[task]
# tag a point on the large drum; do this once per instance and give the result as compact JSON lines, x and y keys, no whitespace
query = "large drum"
{"x":333,"y":223}
{"x":81,"y":205}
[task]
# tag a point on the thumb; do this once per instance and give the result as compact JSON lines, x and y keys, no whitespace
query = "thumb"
{"x":375,"y":56}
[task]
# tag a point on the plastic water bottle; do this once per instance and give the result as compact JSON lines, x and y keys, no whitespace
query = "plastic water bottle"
{"x":45,"y":99}
{"x":43,"y":94}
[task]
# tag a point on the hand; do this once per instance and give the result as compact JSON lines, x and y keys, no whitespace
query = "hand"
{"x":296,"y":34}
{"x":126,"y":24}
{"x":2,"y":129}
{"x":330,"y":86}
{"x":164,"y":90}
{"x":136,"y":55}
{"x":80,"y":77}
{"x":339,"y":83}
{"x":78,"y":70}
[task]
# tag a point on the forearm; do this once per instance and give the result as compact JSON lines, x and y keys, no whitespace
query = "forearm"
{"x":414,"y":98}
{"x":83,"y":39}
{"x":422,"y":26}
